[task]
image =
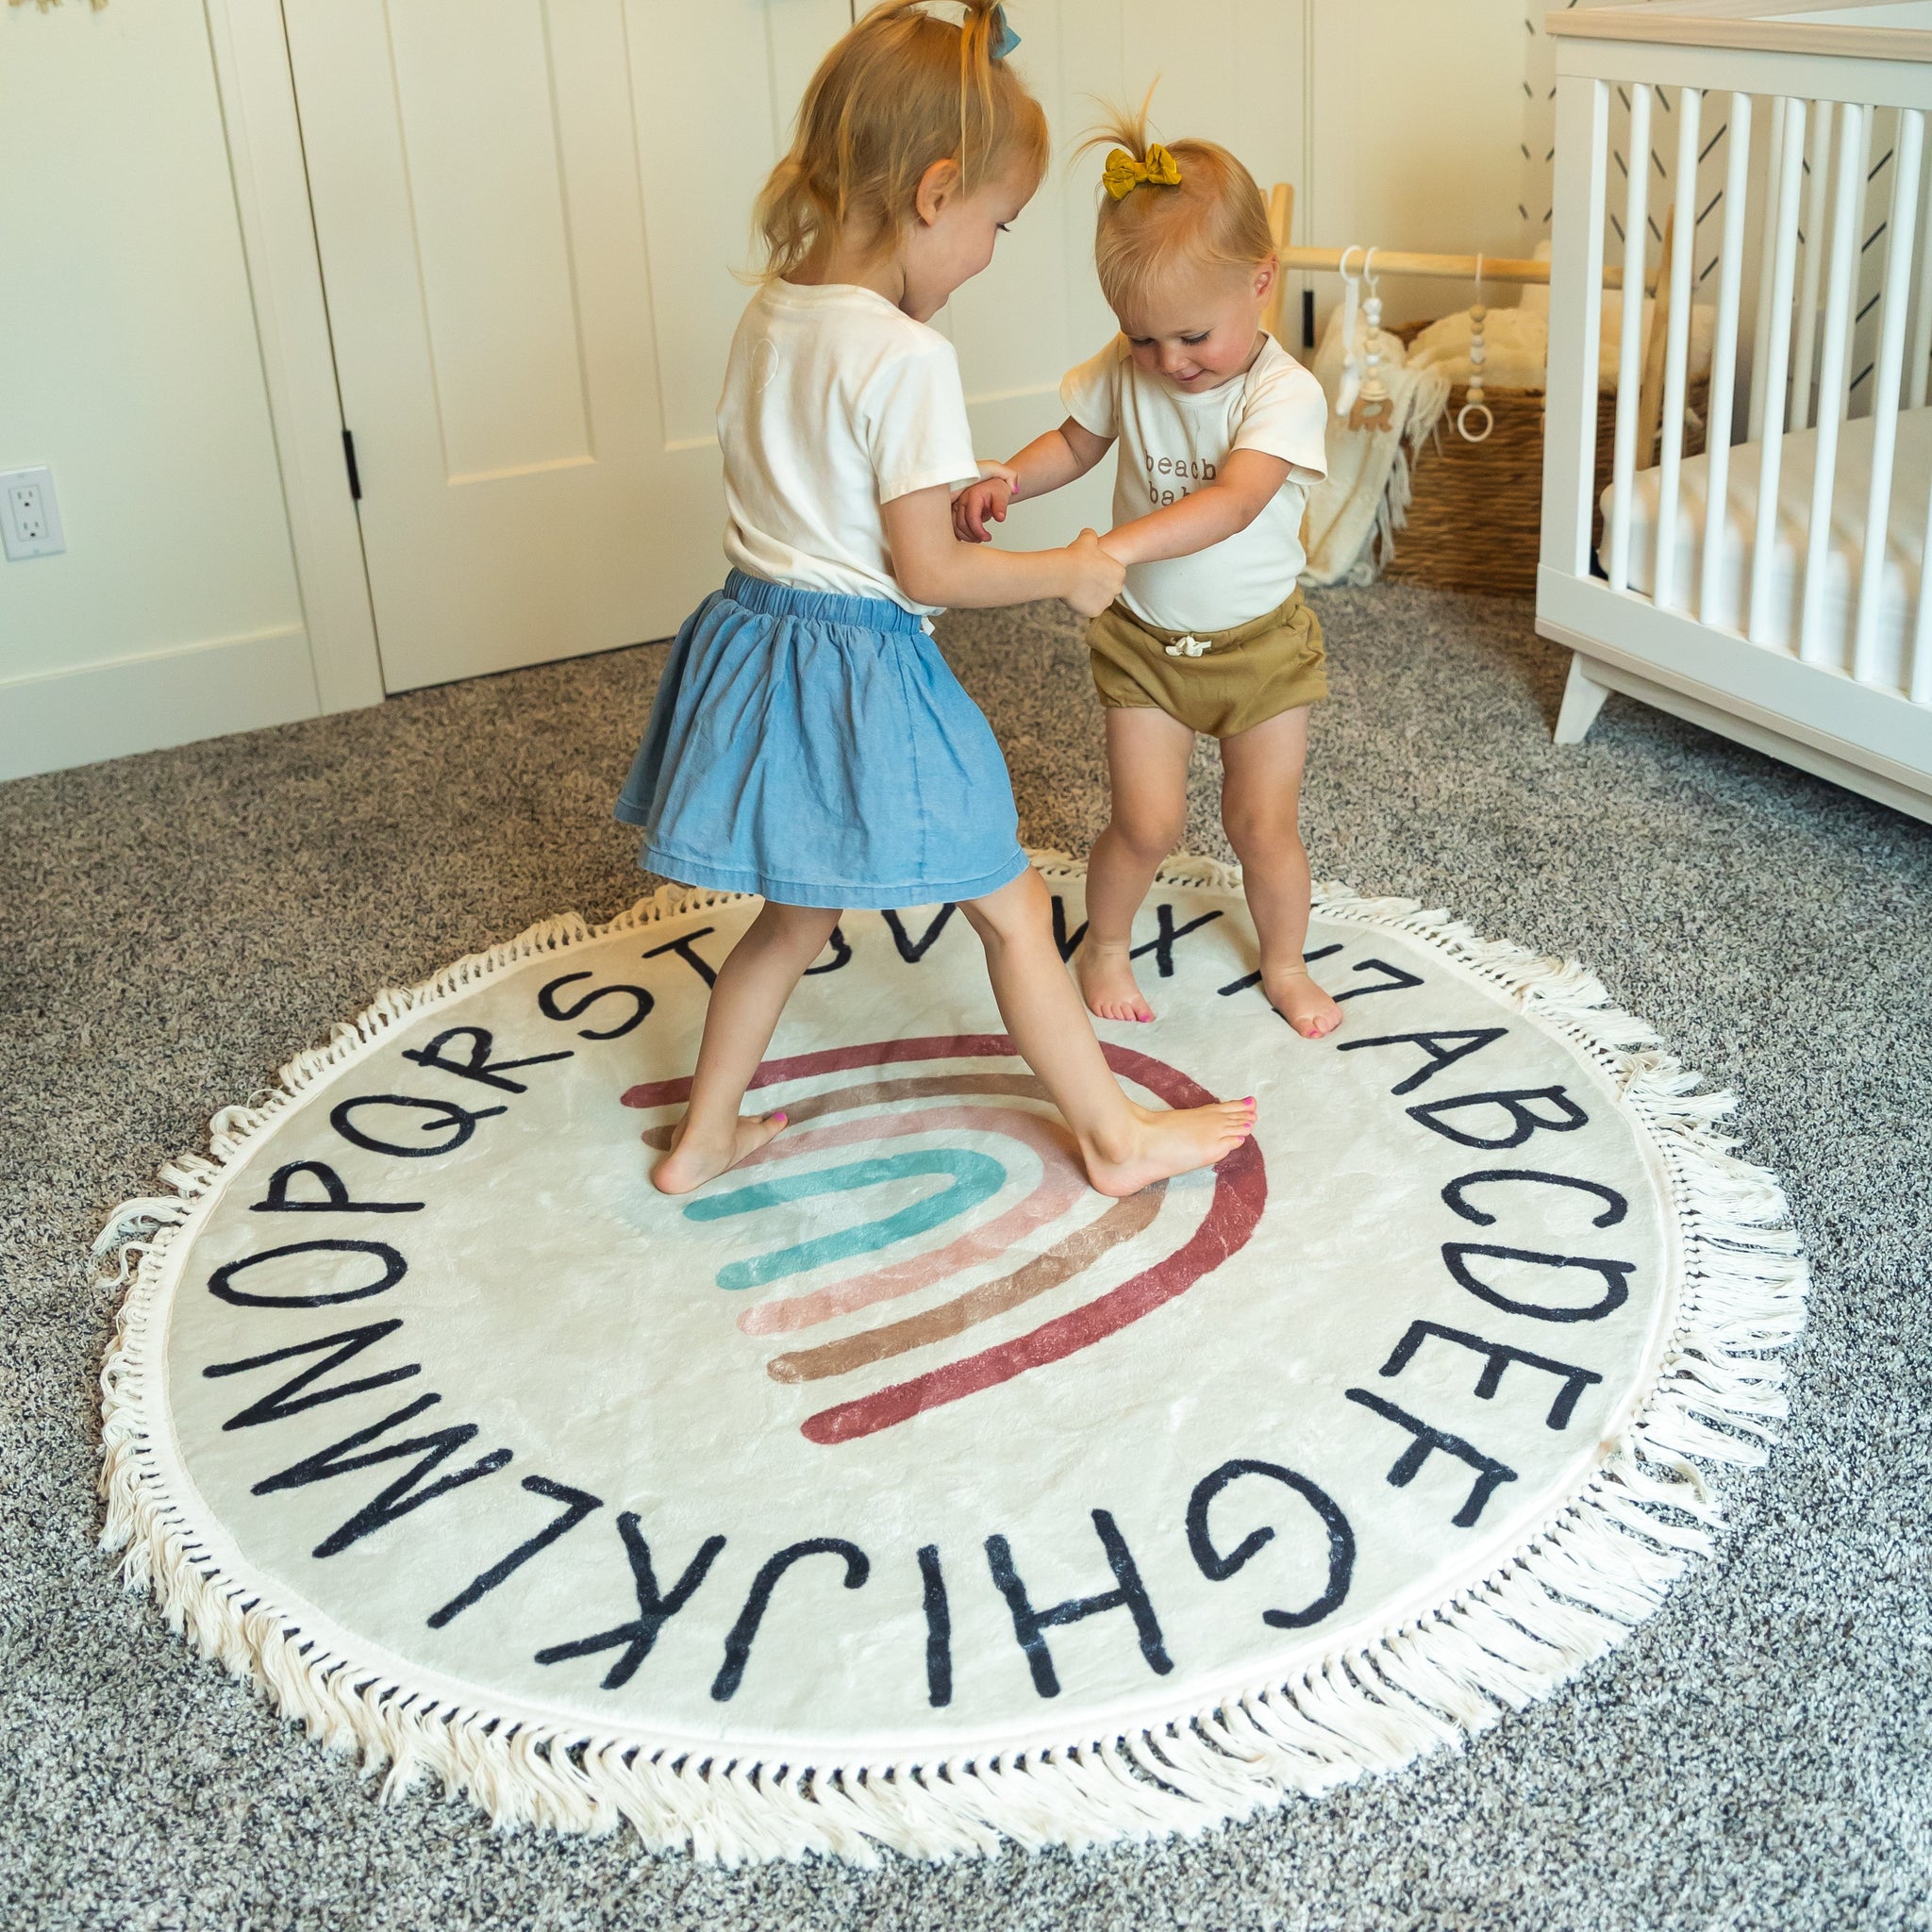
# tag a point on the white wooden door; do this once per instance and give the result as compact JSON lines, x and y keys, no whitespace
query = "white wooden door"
{"x":528,"y":214}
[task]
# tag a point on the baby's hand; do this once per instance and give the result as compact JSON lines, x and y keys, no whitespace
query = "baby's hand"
{"x":977,"y":504}
{"x":1093,"y":577}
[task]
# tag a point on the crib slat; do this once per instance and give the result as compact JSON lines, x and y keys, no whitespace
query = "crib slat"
{"x":1839,"y":294}
{"x":1919,"y":354}
{"x":1760,"y":331}
{"x":1578,"y":230}
{"x":1677,"y":350}
{"x":1842,"y":400}
{"x":1724,"y":353}
{"x":1650,"y":387}
{"x":1630,"y":343}
{"x":1770,"y":455}
{"x":1892,"y":355}
{"x":1799,"y":415}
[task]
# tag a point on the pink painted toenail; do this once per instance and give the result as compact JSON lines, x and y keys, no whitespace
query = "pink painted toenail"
{"x":780,"y":1117}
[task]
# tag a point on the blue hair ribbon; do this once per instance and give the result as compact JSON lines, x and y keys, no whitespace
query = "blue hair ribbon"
{"x":1005,"y":39}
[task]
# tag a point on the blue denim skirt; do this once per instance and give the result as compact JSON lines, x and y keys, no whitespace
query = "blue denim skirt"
{"x":818,"y":750}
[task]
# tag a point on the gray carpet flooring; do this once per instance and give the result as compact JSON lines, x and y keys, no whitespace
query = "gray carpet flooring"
{"x":1756,"y":1755}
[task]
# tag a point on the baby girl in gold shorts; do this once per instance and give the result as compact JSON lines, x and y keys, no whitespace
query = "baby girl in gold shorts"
{"x":1221,"y":433}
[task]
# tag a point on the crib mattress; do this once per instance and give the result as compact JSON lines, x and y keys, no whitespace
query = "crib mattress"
{"x":1905,"y":551}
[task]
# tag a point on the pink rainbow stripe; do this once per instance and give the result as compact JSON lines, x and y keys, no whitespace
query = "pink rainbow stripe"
{"x":1240,"y":1191}
{"x":1061,"y":1184}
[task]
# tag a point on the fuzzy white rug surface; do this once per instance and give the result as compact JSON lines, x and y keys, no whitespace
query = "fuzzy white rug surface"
{"x":896,"y":1489}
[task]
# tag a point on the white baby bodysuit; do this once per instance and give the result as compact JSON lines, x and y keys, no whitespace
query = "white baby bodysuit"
{"x":1170,"y":443}
{"x":833,"y":403}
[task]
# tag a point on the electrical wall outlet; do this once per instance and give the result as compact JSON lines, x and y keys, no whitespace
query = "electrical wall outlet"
{"x":29,"y":514}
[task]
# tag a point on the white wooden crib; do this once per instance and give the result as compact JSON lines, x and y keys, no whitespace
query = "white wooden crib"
{"x":1782,"y":145}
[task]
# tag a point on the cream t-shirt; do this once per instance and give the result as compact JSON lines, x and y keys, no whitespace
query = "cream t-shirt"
{"x":833,"y":403}
{"x":1170,"y":443}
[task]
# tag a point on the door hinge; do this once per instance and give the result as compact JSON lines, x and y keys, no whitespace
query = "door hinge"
{"x":349,"y":458}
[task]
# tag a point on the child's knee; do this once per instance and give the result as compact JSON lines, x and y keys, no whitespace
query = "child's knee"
{"x":1261,"y":834}
{"x":1017,"y":908}
{"x":1150,"y":834}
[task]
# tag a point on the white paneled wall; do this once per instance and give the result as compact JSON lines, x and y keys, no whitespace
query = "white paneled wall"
{"x":1416,"y":114}
{"x":132,"y":370}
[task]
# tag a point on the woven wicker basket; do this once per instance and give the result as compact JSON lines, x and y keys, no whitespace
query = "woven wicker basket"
{"x":1475,"y":520}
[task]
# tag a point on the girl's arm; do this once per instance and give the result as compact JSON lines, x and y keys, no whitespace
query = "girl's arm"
{"x":933,"y":566}
{"x":1048,"y":462}
{"x":1243,"y":489}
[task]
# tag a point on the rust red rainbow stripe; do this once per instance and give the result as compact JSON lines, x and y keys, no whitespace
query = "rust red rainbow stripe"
{"x":1240,"y":1191}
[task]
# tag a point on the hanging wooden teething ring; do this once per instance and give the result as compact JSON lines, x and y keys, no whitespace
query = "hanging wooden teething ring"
{"x":1473,"y":404}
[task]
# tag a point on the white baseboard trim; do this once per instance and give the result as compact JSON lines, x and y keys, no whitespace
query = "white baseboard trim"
{"x":62,"y":718}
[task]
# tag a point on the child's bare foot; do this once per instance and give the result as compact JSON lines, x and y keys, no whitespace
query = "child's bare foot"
{"x":692,"y":1163}
{"x":1106,"y":973}
{"x":1158,"y":1145}
{"x":1292,"y":993}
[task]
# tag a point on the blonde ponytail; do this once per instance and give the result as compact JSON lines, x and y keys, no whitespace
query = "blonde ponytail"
{"x":901,"y":91}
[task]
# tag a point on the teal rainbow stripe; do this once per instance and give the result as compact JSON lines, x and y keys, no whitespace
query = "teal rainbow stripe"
{"x":975,"y":1177}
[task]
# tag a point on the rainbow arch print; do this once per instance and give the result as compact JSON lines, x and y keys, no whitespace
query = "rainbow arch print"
{"x":923,"y":1103}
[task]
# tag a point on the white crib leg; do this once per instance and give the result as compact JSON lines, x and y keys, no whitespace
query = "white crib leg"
{"x":1583,"y":698}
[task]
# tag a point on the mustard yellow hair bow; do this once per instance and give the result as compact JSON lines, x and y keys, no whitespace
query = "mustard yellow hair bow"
{"x":1123,"y":173}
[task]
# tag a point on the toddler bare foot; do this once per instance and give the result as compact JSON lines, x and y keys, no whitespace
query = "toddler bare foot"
{"x":1292,"y":993}
{"x":1106,"y":973}
{"x":691,"y":1162}
{"x":1158,"y":1145}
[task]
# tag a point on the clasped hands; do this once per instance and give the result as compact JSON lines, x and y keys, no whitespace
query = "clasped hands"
{"x":1097,"y":574}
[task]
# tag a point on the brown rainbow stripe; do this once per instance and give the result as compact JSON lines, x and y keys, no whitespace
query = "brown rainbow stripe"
{"x":1059,"y":1263}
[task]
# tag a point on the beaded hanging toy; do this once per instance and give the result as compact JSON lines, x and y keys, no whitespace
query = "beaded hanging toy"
{"x":1473,"y":406}
{"x":1373,"y":408}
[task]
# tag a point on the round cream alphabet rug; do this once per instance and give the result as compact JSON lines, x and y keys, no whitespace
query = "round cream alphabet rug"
{"x":896,"y":1489}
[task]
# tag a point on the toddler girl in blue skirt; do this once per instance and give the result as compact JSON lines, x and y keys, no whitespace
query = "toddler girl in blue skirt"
{"x":808,"y":741}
